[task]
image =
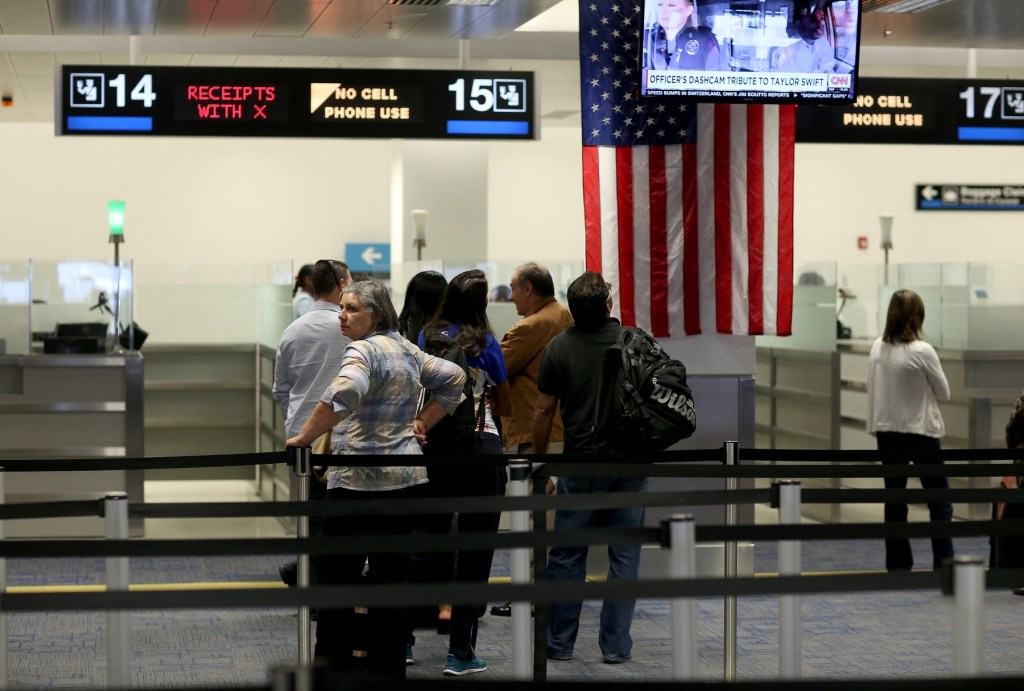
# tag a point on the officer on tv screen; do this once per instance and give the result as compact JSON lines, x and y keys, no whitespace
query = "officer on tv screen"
{"x":676,"y":40}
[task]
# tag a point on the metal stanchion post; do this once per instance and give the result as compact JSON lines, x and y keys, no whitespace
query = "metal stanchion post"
{"x":522,"y":651}
{"x":968,"y":616}
{"x":3,"y":591}
{"x":683,"y":560}
{"x":115,"y":511}
{"x":732,"y":458}
{"x":300,"y":460}
{"x":786,"y":497}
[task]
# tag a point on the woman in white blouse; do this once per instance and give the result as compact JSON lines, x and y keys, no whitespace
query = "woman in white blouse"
{"x":905,"y":385}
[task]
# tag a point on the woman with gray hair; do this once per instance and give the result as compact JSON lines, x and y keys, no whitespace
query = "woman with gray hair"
{"x":377,"y":391}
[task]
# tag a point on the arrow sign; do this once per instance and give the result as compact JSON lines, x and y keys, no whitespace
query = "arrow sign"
{"x":969,"y":197}
{"x":370,"y":255}
{"x":368,"y":258}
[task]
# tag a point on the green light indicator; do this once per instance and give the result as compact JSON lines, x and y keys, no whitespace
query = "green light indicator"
{"x":115,"y":216}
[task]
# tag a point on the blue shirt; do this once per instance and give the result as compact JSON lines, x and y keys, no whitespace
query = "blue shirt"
{"x":486,"y":368}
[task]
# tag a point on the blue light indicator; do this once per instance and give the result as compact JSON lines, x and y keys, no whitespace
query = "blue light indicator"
{"x":109,"y":123}
{"x":494,"y":127}
{"x":936,"y":204}
{"x":992,"y":134}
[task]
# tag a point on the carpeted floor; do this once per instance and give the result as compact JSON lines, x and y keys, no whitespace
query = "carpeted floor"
{"x":847,"y":636}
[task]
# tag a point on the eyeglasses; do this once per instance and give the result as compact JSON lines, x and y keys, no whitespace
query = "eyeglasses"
{"x":331,"y":264}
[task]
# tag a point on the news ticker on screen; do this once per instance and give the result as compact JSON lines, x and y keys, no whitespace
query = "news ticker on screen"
{"x":747,"y":85}
{"x":257,"y":102}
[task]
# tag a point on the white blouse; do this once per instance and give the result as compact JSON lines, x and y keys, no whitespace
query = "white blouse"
{"x":905,"y":385}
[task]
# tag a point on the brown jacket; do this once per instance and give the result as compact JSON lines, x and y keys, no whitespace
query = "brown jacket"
{"x":522,"y":347}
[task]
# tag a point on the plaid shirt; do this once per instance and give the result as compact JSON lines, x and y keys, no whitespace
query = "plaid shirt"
{"x":378,"y":390}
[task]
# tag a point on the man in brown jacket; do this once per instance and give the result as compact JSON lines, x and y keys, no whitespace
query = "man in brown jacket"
{"x":533,"y":293}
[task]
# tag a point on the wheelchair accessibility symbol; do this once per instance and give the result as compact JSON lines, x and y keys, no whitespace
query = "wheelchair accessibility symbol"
{"x":87,"y":90}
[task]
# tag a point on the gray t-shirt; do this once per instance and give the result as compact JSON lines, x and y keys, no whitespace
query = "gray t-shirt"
{"x":569,"y":371}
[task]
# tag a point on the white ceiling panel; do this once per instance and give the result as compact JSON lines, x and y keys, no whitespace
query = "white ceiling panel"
{"x":25,"y":17}
{"x":75,"y":58}
{"x":291,"y":18}
{"x":33,"y":64}
{"x":258,"y":61}
{"x":169,"y":59}
{"x":184,"y":17}
{"x":115,"y":59}
{"x":237,"y":18}
{"x":306,"y":61}
{"x":344,"y":19}
{"x":213,"y":60}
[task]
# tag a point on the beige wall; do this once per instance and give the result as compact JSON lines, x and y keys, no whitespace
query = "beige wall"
{"x":259,"y":200}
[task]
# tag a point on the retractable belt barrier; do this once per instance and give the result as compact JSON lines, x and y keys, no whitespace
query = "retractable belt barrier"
{"x":35,"y":465}
{"x":681,"y":588}
{"x":322,"y":680}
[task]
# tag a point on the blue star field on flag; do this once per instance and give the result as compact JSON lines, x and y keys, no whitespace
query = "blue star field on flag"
{"x":614,"y":114}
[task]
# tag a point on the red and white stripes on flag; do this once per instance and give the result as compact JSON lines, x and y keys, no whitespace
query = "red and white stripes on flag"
{"x":698,"y":237}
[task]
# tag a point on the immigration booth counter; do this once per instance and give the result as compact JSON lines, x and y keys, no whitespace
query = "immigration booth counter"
{"x":70,"y":385}
{"x":74,"y":383}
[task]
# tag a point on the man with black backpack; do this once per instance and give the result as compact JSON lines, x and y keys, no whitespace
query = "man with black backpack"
{"x":568,"y":379}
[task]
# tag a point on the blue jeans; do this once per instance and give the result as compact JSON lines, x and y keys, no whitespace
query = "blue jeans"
{"x":570,"y":564}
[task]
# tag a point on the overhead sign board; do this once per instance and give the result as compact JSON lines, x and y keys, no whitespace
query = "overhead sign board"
{"x":920,"y":111}
{"x":251,"y":102}
{"x":368,"y":258}
{"x":949,"y":197}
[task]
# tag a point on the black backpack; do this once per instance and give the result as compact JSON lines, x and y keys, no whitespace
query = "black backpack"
{"x":457,"y":432}
{"x":643,"y":402}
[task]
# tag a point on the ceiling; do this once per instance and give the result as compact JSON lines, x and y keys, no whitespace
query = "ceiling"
{"x":36,"y":35}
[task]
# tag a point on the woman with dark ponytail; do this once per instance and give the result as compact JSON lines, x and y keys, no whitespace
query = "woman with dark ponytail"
{"x":304,"y":288}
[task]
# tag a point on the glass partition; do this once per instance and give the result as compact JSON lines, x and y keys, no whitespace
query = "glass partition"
{"x":15,"y":298}
{"x":814,"y":310}
{"x":995,"y":306}
{"x":214,"y":303}
{"x":967,"y":306}
{"x":76,"y":305}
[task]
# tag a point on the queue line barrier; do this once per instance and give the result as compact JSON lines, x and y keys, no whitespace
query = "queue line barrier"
{"x":540,"y":594}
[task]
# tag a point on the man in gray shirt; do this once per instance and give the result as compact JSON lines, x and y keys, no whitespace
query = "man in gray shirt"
{"x":308,"y":359}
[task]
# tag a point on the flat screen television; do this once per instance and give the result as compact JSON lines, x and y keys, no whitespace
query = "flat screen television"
{"x":768,"y":51}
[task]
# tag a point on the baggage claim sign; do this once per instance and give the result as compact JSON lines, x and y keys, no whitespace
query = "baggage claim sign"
{"x":251,"y":102}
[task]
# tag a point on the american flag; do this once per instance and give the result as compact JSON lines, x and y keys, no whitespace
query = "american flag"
{"x":688,"y":207}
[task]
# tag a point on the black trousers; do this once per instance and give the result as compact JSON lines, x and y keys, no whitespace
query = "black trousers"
{"x":469,"y":566}
{"x":898,"y":555}
{"x":382,"y":632}
{"x":475,"y":566}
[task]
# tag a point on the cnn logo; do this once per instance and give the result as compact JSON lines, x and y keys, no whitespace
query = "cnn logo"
{"x":839,"y":80}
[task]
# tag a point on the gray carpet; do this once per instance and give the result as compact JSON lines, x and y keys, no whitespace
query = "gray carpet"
{"x":880,"y":635}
